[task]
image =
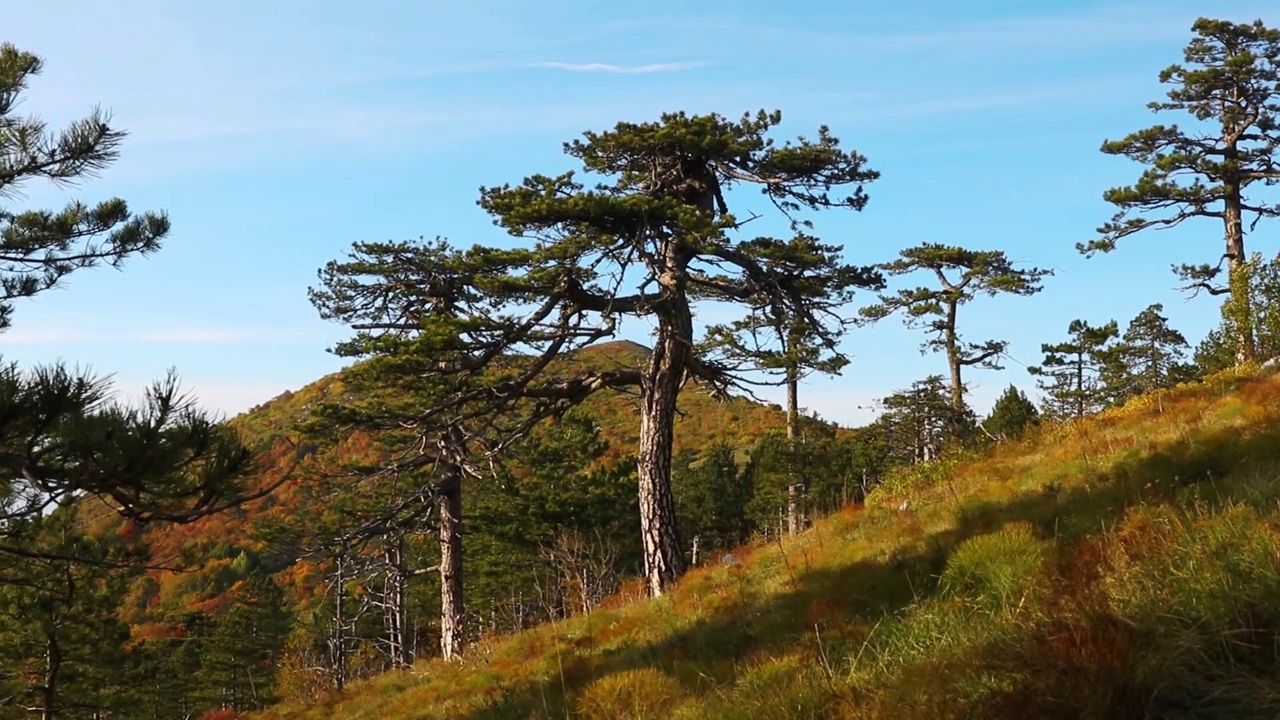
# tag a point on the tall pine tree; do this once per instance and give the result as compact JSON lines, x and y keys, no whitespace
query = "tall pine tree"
{"x":1149,"y":356}
{"x":1230,"y":88}
{"x":650,"y":238}
{"x":961,"y":276}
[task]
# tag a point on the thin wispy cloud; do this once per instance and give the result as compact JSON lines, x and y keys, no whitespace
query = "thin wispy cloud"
{"x":622,"y":69}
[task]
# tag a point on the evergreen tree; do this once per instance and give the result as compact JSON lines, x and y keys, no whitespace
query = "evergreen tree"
{"x":1012,"y":415}
{"x":920,"y":422}
{"x":61,"y":642}
{"x":561,"y":527}
{"x":711,"y":499}
{"x":868,"y":452}
{"x":650,"y":240}
{"x":164,"y":672}
{"x":238,"y":665}
{"x":61,"y":440}
{"x":1150,"y":356}
{"x":1231,"y":87}
{"x":961,"y":275}
{"x":772,"y":339}
{"x":1071,"y":370}
{"x":41,"y":247}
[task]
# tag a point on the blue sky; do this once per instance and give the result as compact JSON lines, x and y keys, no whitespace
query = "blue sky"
{"x":276,"y":134}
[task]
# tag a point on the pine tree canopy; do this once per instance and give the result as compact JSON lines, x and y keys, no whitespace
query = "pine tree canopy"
{"x":651,"y":237}
{"x":961,"y":276}
{"x":38,"y":248}
{"x":1215,"y":167}
{"x":63,"y":438}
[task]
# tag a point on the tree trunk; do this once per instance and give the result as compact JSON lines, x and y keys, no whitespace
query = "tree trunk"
{"x":53,"y":665}
{"x":659,"y":388}
{"x":452,"y":620}
{"x":338,"y":638}
{"x":1233,"y":221}
{"x":793,"y":419}
{"x":394,"y":608}
{"x":953,"y":362}
{"x":1080,"y":384}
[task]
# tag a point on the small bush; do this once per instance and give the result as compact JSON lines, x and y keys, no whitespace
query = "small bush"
{"x":998,"y":569}
{"x":632,"y":694}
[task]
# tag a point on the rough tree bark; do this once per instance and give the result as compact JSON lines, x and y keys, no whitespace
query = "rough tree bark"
{"x":1233,"y":220}
{"x":53,"y":666}
{"x":954,"y":361}
{"x":338,"y":637}
{"x":659,"y":388}
{"x":452,"y":614}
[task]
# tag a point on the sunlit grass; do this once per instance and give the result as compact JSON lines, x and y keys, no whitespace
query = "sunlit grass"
{"x":1123,"y":566}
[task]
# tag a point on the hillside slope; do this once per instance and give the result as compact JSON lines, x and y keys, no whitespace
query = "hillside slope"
{"x":271,"y":429}
{"x":1126,"y":566}
{"x":703,"y":420}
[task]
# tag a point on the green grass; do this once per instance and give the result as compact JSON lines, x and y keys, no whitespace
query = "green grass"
{"x":1127,"y":566}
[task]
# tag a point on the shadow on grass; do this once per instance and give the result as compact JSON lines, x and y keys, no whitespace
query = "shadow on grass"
{"x":861,"y":593}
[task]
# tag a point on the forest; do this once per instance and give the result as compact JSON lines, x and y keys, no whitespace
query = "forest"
{"x":496,"y":459}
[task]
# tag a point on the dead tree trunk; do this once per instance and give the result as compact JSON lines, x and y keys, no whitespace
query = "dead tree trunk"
{"x":394,"y":609}
{"x":337,"y":633}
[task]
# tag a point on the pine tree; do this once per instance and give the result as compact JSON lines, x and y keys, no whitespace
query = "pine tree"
{"x":61,"y":641}
{"x":61,"y":439}
{"x":560,"y":526}
{"x":1231,"y":87}
{"x":782,"y":344}
{"x":650,"y":240}
{"x":961,"y":275}
{"x":1071,"y":370}
{"x":41,"y":247}
{"x":238,"y":665}
{"x":711,"y":499}
{"x":1012,"y":415}
{"x":1150,"y":356}
{"x":920,"y":422}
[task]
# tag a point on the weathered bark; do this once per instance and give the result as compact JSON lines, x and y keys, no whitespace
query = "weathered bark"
{"x":338,"y":636}
{"x":954,"y":361}
{"x":794,"y":520}
{"x":452,"y":618}
{"x":1233,"y":220}
{"x":53,"y":665}
{"x":394,"y":608}
{"x":659,"y":389}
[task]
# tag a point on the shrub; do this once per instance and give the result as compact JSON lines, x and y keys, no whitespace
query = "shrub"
{"x":631,"y":694}
{"x":998,"y":569}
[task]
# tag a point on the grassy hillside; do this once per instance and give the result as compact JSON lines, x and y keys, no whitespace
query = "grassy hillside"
{"x":1127,"y":566}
